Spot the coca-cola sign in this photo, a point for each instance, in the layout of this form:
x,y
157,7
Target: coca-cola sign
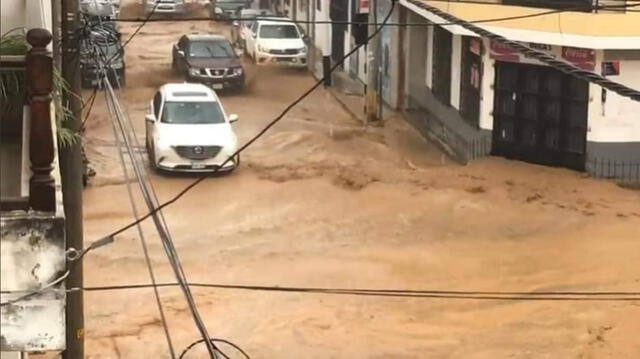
x,y
582,58
502,52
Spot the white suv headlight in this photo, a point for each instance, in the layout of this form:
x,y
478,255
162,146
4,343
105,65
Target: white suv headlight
x,y
194,72
218,10
302,50
262,48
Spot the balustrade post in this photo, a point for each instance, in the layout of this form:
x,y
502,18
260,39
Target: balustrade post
x,y
39,65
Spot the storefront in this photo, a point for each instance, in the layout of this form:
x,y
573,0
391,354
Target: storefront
x,y
540,114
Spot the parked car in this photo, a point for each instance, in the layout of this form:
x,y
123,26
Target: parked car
x,y
187,130
224,9
162,7
108,47
109,9
208,59
240,27
276,43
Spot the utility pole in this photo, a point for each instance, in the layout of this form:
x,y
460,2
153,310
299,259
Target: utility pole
x,y
372,107
55,15
71,170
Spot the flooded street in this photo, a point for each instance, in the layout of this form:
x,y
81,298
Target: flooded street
x,y
321,201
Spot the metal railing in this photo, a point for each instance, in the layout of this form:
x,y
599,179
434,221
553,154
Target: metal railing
x,y
622,171
40,140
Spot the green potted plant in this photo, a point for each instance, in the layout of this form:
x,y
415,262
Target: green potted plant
x,y
13,91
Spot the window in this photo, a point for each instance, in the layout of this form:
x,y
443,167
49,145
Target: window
x,y
192,113
157,101
211,49
279,32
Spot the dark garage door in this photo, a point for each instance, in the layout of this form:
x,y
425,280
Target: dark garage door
x,y
540,115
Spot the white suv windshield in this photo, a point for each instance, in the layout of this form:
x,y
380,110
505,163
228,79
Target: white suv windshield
x,y
192,113
279,32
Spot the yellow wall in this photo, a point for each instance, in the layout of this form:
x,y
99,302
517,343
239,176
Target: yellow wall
x,y
579,23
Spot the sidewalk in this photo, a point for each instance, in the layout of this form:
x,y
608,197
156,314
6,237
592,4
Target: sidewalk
x,y
353,104
349,93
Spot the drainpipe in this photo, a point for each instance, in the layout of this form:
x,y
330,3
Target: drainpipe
x,y
326,48
372,105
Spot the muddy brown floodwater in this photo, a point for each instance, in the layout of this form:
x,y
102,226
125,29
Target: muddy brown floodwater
x,y
321,201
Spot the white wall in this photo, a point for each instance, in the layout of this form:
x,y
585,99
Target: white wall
x,y
302,13
429,59
618,119
456,67
12,15
362,70
25,14
322,39
487,83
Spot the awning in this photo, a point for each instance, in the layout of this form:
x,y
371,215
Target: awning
x,y
542,37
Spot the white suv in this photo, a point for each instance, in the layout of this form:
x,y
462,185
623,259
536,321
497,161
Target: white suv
x,y
176,7
276,43
187,130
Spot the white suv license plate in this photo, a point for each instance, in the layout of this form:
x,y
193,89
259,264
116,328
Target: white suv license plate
x,y
198,166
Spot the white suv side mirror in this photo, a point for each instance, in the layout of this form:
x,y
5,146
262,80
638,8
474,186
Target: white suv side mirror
x,y
150,117
233,118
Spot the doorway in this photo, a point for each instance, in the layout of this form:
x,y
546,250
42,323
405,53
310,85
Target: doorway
x,y
339,13
540,115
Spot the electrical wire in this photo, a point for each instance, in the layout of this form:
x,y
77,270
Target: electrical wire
x,y
143,241
146,20
167,242
158,208
37,291
616,87
404,293
151,200
248,143
154,210
214,340
90,103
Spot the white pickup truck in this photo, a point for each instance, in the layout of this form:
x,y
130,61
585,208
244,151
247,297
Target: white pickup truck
x,y
275,42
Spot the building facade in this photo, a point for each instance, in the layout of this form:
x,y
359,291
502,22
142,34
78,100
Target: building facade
x,y
32,222
478,97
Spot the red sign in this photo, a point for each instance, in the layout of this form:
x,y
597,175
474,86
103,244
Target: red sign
x,y
582,58
502,52
363,6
